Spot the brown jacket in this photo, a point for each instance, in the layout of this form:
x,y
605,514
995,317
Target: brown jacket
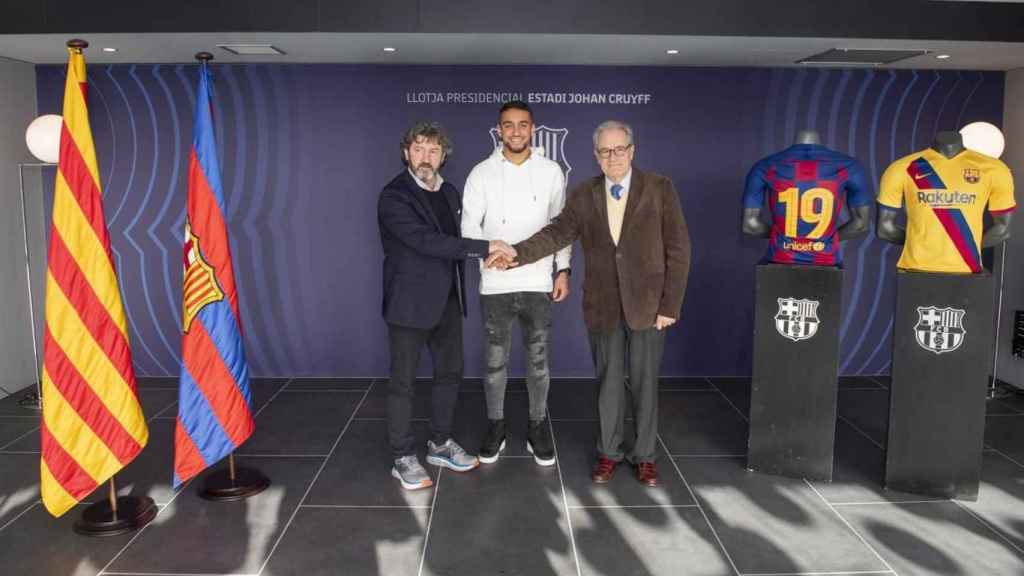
x,y
642,277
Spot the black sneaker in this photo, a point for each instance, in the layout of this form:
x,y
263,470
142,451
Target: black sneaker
x,y
494,443
539,442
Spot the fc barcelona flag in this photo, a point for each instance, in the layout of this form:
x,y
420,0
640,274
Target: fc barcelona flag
x,y
92,421
214,415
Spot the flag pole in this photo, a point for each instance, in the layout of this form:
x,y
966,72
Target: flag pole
x,y
237,483
32,400
113,497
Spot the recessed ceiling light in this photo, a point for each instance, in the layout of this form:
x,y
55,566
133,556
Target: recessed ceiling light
x,y
859,57
252,49
942,56
390,49
110,49
671,51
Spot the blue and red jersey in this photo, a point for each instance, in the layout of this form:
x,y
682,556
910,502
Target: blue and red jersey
x,y
806,186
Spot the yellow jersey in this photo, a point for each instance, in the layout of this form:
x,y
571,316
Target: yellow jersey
x,y
945,199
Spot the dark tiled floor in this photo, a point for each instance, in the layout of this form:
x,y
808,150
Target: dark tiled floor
x,y
301,422
867,412
505,519
701,423
333,509
773,524
656,541
232,537
14,432
351,541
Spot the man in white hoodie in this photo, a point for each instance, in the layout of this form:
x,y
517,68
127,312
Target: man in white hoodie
x,y
510,196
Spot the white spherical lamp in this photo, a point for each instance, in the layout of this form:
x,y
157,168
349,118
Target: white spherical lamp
x,y
43,137
985,138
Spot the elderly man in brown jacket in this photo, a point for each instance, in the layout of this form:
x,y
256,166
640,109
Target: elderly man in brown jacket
x,y
637,252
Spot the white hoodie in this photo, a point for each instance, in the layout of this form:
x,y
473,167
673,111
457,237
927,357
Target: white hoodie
x,y
503,201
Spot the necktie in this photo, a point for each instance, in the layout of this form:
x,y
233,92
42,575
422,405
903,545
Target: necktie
x,y
617,191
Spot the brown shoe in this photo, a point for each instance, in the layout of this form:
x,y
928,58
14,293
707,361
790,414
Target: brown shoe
x,y
604,470
647,473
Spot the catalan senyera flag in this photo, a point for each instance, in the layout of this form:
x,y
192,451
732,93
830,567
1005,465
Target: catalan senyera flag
x,y
92,421
214,414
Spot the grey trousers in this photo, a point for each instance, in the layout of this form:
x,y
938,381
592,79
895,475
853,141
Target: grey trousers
x,y
638,354
533,310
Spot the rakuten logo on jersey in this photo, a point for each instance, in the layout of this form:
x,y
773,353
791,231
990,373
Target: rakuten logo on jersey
x,y
945,198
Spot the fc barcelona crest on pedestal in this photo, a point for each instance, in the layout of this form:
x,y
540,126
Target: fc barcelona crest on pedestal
x,y
793,389
940,330
797,319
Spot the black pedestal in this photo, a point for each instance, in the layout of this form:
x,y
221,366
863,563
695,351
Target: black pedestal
x,y
99,519
941,351
220,487
796,361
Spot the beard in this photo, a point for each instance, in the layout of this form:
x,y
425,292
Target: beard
x,y
511,148
425,171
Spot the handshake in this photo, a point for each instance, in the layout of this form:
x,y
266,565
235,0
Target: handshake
x,y
501,255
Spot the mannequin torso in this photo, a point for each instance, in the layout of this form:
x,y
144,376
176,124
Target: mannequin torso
x,y
754,225
949,144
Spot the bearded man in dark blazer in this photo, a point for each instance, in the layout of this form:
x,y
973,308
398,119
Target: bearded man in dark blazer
x,y
425,299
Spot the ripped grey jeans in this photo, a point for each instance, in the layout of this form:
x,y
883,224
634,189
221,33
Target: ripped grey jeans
x,y
533,309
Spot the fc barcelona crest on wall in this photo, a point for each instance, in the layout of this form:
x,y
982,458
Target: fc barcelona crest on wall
x,y
549,142
797,319
940,330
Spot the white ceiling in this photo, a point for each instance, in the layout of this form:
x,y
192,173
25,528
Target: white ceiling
x,y
502,49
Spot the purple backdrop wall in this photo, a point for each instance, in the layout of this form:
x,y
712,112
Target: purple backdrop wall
x,y
306,149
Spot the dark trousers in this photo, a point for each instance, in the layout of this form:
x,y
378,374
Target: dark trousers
x,y
444,342
638,353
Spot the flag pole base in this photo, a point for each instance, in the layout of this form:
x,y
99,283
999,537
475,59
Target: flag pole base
x,y
133,512
219,487
31,401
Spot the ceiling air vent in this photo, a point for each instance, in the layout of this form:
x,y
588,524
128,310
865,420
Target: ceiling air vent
x,y
854,57
251,49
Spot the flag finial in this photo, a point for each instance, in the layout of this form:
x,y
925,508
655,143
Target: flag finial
x,y
204,57
77,44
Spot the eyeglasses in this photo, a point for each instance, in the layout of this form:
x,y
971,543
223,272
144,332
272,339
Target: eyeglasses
x,y
619,151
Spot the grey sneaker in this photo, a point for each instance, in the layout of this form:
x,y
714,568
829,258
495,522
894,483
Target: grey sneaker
x,y
411,473
450,455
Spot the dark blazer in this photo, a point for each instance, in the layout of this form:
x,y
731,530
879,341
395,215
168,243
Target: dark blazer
x,y
642,277
418,256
